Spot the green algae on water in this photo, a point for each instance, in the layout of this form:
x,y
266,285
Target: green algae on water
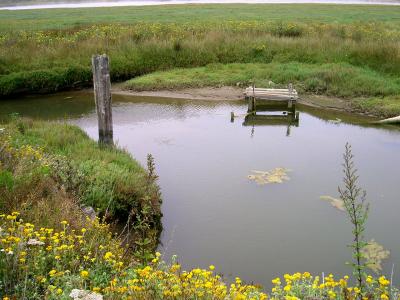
x,y
374,255
336,203
277,175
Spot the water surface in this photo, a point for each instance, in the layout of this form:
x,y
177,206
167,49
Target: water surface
x,y
214,215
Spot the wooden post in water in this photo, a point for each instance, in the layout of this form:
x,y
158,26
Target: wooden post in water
x,y
290,102
254,97
102,97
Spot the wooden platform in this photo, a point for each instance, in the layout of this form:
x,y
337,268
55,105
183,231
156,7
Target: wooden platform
x,y
261,96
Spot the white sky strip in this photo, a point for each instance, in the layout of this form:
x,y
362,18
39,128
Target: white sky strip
x,y
169,2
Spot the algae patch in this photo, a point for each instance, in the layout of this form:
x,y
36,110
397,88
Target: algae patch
x,y
374,255
336,203
277,175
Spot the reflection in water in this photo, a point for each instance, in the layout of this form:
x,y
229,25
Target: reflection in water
x,y
271,115
287,119
49,107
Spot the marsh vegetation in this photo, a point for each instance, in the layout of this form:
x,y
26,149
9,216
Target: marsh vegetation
x,y
353,52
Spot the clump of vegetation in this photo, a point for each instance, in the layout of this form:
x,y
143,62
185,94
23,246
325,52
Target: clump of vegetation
x,y
39,262
277,175
374,255
305,286
54,171
108,179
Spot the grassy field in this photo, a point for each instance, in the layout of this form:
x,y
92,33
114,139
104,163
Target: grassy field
x,y
328,14
50,50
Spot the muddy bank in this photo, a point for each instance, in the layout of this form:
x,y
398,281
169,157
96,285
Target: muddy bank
x,y
227,93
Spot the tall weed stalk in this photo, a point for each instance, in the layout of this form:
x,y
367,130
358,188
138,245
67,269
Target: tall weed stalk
x,y
354,199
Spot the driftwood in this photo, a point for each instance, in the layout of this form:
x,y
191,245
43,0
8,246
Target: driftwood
x,y
395,120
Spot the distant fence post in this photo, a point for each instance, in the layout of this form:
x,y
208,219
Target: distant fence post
x,y
102,96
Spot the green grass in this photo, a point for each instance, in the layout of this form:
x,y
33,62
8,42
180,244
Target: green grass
x,y
108,179
382,106
66,18
341,80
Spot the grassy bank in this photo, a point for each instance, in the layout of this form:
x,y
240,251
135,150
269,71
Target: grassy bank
x,y
50,50
48,170
362,87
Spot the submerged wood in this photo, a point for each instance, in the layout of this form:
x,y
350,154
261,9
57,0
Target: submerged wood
x,y
277,175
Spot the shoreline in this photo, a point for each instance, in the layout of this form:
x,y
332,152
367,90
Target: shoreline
x,y
227,93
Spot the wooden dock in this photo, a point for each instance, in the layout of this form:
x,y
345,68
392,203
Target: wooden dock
x,y
259,97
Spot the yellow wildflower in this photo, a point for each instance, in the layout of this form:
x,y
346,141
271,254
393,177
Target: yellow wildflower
x,y
84,274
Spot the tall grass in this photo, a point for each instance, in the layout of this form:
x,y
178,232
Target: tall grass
x,y
44,61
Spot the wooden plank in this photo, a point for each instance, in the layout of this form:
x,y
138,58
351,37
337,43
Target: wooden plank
x,y
275,97
102,96
265,89
273,94
270,94
270,91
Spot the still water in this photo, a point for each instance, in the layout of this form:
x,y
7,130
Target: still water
x,y
213,214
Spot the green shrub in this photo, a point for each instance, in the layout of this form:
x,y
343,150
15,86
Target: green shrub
x,y
50,80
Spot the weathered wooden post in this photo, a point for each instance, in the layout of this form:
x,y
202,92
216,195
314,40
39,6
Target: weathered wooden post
x,y
102,97
290,90
254,97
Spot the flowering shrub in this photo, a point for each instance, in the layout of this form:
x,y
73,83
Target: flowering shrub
x,y
39,263
305,286
43,262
